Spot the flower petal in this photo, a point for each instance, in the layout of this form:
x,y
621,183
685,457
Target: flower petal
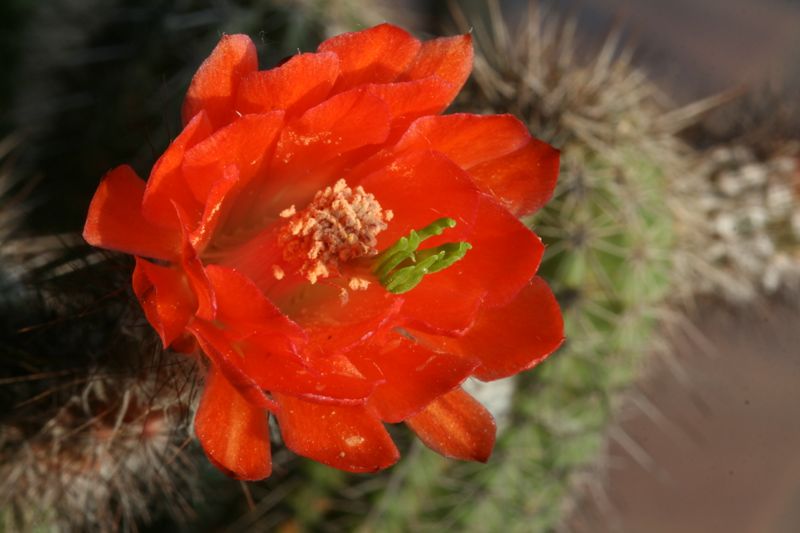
x,y
350,438
166,185
244,143
328,380
335,326
410,100
523,180
115,219
300,83
234,434
449,58
415,375
342,123
214,85
375,55
315,149
504,257
219,350
456,425
240,304
166,298
420,188
220,199
466,139
254,339
531,328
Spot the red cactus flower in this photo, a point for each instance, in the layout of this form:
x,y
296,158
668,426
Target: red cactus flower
x,y
342,254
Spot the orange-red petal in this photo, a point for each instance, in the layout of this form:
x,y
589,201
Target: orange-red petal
x,y
314,150
220,198
449,58
166,186
252,339
350,438
504,257
244,143
166,298
414,375
517,336
496,150
300,83
266,363
241,303
335,326
234,434
456,425
466,139
213,88
409,100
522,180
375,55
421,187
115,219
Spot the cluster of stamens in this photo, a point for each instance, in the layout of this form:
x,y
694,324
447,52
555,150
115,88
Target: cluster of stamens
x,y
340,224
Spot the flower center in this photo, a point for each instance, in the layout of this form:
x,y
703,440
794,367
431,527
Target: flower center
x,y
340,224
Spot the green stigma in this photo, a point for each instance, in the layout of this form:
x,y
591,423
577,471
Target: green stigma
x,y
401,267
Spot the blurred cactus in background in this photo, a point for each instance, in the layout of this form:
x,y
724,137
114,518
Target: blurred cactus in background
x,y
95,432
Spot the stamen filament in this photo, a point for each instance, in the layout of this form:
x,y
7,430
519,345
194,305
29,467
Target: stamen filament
x,y
404,251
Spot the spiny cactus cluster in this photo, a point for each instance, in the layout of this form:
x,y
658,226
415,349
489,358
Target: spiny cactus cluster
x,y
109,453
740,223
93,413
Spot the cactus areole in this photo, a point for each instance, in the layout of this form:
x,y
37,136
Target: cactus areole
x,y
342,254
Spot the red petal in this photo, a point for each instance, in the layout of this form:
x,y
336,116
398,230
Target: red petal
x,y
244,143
115,219
504,257
302,82
345,437
466,139
166,298
221,197
335,326
219,350
419,188
196,276
415,375
523,180
410,100
233,433
314,150
344,122
442,304
516,337
166,185
256,340
214,85
456,425
240,304
261,363
375,55
449,58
